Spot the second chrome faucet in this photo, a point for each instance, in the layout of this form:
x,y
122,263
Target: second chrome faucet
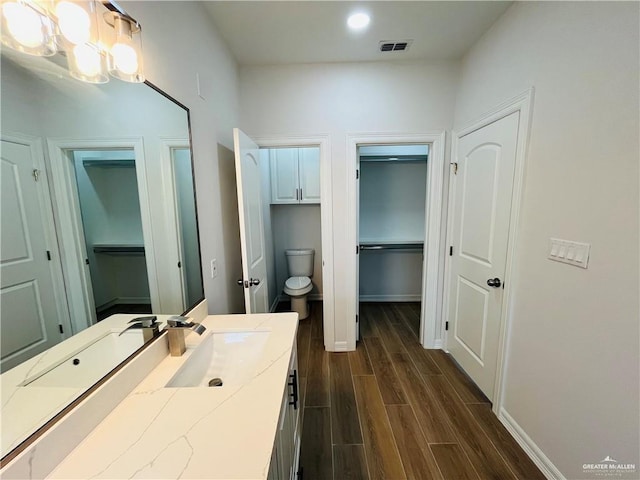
x,y
176,326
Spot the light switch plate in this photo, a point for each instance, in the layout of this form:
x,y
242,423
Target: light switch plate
x,y
214,268
570,252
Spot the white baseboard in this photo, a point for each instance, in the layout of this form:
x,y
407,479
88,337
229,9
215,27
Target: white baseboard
x,y
119,300
437,344
340,347
545,465
390,298
134,300
313,297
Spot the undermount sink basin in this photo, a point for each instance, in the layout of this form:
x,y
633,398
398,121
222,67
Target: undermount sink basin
x,y
232,357
90,363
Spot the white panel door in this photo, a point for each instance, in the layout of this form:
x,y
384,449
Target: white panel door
x,y
254,265
309,173
30,319
482,208
284,175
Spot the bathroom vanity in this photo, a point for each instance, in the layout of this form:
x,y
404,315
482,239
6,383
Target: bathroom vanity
x,y
172,424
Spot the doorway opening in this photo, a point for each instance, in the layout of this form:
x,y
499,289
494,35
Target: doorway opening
x,y
293,176
391,212
291,200
430,204
107,195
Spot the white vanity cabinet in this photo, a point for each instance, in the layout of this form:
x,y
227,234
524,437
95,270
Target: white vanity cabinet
x,y
295,175
286,449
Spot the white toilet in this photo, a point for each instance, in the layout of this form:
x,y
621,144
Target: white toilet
x,y
298,285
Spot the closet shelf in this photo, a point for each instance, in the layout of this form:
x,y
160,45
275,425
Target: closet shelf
x,y
119,249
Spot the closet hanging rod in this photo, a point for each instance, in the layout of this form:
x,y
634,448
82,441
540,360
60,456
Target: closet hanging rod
x,y
392,246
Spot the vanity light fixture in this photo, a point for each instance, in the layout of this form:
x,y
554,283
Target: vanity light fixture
x,y
358,21
125,54
95,40
27,29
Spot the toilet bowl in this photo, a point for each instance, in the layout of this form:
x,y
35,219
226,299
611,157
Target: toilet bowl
x,y
298,285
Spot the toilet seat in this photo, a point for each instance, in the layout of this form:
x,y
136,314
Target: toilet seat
x,y
296,286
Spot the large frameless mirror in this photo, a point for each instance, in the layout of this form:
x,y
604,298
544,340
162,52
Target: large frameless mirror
x,y
98,219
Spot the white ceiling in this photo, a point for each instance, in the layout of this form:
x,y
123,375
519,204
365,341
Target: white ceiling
x,y
266,32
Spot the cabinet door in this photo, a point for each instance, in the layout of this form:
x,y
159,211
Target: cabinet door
x,y
309,168
284,175
274,466
295,412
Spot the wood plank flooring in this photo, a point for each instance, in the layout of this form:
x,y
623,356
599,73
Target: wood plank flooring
x,y
392,410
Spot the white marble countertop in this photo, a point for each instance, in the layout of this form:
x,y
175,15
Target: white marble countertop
x,y
212,433
25,408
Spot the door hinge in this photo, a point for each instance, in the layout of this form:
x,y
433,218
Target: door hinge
x,y
60,328
455,167
48,255
357,173
357,249
451,251
357,318
36,174
446,325
86,261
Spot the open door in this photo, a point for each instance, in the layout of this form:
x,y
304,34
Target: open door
x,y
254,267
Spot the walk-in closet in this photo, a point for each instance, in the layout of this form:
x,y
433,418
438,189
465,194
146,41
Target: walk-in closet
x,y
391,223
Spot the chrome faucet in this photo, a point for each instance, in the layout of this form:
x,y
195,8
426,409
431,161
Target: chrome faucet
x,y
149,327
176,326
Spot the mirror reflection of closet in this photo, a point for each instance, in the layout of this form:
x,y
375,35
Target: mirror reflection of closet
x,y
111,222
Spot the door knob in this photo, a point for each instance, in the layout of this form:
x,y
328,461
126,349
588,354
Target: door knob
x,y
494,282
254,281
240,282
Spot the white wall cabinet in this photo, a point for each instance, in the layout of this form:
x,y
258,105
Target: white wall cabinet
x,y
286,448
295,175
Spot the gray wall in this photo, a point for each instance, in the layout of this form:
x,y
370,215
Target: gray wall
x,y
572,365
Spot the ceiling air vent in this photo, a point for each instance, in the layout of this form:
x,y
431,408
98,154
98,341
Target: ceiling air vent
x,y
395,46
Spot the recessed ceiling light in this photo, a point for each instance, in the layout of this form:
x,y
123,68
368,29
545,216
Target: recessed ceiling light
x,y
358,21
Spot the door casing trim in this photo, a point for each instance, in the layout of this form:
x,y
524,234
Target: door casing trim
x,y
66,207
522,103
430,322
326,220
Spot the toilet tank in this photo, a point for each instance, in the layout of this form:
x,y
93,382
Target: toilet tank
x,y
300,262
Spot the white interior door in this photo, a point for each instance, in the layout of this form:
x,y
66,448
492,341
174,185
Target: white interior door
x,y
30,318
482,207
254,266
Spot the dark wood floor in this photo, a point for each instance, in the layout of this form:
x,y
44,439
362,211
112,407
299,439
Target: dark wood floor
x,y
392,410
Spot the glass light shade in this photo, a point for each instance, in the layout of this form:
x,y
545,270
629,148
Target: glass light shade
x,y
26,29
125,54
76,21
87,63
